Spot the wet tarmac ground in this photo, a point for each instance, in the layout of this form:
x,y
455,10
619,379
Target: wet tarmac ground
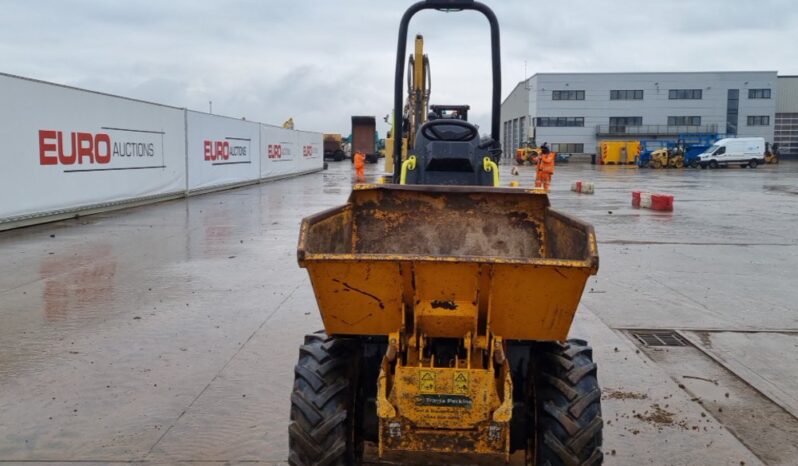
x,y
168,333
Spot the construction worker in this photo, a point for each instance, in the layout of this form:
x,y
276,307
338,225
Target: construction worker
x,y
360,167
545,168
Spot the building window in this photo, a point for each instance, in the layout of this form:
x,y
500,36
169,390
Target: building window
x,y
758,93
626,94
560,121
568,148
682,94
506,136
684,121
732,111
619,124
567,95
626,121
522,129
758,120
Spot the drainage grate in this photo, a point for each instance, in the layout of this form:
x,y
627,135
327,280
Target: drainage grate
x,y
659,338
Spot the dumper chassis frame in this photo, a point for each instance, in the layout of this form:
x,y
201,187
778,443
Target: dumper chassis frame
x,y
563,401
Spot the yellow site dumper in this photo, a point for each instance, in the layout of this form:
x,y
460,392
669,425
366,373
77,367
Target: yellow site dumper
x,y
447,303
450,310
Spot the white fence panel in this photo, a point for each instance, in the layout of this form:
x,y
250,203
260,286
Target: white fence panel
x,y
221,151
70,150
67,149
280,153
312,146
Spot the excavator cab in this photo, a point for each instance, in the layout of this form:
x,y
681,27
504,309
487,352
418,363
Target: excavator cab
x,y
459,112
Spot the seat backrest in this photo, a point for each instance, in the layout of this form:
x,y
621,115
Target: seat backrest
x,y
448,152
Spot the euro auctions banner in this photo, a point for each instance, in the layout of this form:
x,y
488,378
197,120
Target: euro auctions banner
x,y
286,152
221,151
278,152
66,148
312,150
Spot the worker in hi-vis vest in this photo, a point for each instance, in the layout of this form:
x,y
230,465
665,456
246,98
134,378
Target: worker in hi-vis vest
x,y
360,167
545,168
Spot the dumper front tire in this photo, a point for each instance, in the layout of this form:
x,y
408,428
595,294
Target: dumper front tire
x,y
322,430
567,400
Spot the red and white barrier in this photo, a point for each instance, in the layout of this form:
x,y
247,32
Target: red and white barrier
x,y
583,187
654,201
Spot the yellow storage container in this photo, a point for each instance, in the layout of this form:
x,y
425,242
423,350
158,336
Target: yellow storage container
x,y
618,152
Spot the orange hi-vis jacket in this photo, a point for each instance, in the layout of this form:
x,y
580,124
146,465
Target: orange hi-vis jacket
x,y
546,163
360,161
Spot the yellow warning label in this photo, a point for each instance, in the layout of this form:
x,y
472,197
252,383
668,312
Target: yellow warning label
x,y
460,383
426,381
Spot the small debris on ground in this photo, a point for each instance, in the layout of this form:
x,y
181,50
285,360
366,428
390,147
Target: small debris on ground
x,y
659,417
623,395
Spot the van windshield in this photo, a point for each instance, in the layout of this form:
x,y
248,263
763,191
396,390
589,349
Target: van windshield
x,y
712,149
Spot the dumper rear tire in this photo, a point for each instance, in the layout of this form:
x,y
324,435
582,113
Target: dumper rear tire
x,y
567,400
322,430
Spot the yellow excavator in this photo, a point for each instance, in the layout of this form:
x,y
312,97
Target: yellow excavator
x,y
416,107
447,302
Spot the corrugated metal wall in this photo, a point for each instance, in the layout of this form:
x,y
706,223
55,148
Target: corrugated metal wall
x,y
786,126
787,94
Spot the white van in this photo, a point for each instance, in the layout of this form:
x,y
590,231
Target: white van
x,y
745,151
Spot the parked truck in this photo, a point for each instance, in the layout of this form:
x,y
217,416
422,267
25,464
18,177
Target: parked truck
x,y
333,147
363,129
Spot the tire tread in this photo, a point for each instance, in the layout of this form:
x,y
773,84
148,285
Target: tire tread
x,y
569,406
320,426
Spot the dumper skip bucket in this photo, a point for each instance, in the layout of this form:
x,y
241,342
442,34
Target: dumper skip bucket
x,y
503,251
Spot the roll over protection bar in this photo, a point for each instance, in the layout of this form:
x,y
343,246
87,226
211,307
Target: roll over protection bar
x,y
401,50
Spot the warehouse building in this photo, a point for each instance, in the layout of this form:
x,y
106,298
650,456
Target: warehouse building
x,y
786,127
574,111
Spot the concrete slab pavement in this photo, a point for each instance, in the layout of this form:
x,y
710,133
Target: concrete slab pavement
x,y
168,333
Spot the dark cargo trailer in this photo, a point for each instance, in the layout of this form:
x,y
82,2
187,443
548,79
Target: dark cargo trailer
x,y
363,140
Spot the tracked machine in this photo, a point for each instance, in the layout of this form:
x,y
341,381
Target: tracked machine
x,y
415,110
446,302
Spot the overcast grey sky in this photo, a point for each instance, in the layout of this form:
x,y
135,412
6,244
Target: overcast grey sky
x,y
323,61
